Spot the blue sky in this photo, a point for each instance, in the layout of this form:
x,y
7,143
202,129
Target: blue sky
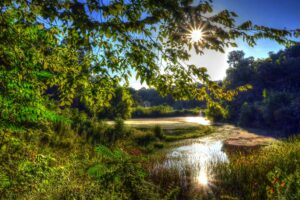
x,y
272,13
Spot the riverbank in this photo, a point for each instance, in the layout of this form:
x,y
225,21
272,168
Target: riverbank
x,y
67,162
216,166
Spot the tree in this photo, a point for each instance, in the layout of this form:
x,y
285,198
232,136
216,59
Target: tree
x,y
85,48
121,104
235,57
273,102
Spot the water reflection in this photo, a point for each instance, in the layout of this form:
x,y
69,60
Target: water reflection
x,y
199,120
202,178
195,160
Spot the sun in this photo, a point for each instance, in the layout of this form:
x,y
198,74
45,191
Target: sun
x,y
196,35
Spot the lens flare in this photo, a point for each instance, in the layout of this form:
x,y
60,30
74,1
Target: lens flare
x,y
202,178
196,35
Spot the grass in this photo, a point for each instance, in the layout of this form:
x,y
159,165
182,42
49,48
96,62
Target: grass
x,y
272,172
54,164
31,169
149,139
187,133
145,137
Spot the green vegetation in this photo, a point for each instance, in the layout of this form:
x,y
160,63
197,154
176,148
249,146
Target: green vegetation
x,y
65,64
68,160
268,173
152,97
162,111
273,102
187,133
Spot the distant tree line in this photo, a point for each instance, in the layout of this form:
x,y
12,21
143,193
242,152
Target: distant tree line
x,y
274,100
146,102
150,97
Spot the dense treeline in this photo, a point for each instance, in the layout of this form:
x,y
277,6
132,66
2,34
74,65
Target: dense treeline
x,y
150,97
127,103
274,100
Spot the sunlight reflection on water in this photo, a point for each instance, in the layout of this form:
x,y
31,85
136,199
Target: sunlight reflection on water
x,y
198,120
196,158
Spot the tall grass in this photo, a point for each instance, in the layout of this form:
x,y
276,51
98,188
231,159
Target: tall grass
x,y
271,172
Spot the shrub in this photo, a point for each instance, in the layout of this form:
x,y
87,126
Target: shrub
x,y
144,138
158,145
122,175
119,128
215,112
158,132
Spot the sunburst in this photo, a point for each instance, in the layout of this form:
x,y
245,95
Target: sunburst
x,y
196,33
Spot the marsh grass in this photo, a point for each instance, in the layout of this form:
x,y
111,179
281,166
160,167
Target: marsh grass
x,y
187,133
272,172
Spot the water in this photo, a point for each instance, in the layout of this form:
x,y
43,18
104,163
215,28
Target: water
x,y
195,160
199,120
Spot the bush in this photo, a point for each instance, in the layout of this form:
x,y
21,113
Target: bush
x,y
155,111
215,112
144,138
158,132
123,175
158,145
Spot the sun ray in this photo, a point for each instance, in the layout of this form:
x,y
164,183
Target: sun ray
x,y
196,34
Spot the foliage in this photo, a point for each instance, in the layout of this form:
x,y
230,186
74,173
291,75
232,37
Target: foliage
x,y
273,102
94,131
162,111
123,175
270,173
158,132
283,185
249,115
97,131
155,111
23,71
59,55
72,50
216,112
183,134
119,131
144,138
120,105
151,97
